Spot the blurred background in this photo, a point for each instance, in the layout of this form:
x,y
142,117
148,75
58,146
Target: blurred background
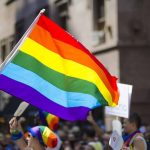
x,y
117,32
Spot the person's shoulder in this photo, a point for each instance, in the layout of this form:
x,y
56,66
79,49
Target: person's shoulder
x,y
139,141
139,137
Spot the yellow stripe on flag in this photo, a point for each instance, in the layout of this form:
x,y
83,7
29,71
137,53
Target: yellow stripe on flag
x,y
64,66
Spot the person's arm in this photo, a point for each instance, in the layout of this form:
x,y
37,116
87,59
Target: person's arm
x,y
138,144
20,122
97,129
17,135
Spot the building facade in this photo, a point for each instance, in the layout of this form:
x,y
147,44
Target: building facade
x,y
115,31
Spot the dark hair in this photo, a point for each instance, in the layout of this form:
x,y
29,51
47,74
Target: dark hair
x,y
135,118
90,132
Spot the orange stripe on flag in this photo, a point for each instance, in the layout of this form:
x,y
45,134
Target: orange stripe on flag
x,y
43,37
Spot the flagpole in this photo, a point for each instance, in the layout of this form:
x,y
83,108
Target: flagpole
x,y
15,49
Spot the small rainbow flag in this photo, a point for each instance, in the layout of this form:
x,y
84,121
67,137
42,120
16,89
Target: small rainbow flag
x,y
49,120
53,71
44,135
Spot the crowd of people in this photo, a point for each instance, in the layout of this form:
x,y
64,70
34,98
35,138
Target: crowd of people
x,y
88,135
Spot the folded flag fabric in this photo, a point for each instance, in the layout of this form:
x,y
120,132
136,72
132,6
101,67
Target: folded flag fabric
x,y
44,135
53,71
49,120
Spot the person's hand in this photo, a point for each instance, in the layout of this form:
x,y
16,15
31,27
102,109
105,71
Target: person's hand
x,y
16,134
90,117
13,123
96,127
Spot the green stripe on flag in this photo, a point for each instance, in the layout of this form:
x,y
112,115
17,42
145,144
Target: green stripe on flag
x,y
59,80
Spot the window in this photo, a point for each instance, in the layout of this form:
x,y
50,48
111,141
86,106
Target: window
x,y
11,45
99,21
6,45
62,7
3,52
19,29
98,13
9,2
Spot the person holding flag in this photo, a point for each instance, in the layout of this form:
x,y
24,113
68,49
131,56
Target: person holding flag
x,y
38,137
51,70
17,136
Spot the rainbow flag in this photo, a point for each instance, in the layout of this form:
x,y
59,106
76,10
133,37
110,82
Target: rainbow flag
x,y
44,135
49,120
53,71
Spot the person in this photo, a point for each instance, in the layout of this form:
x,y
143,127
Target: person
x,y
37,138
17,136
133,138
97,129
97,145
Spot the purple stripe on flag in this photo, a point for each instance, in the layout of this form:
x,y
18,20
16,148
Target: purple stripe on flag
x,y
33,97
35,131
